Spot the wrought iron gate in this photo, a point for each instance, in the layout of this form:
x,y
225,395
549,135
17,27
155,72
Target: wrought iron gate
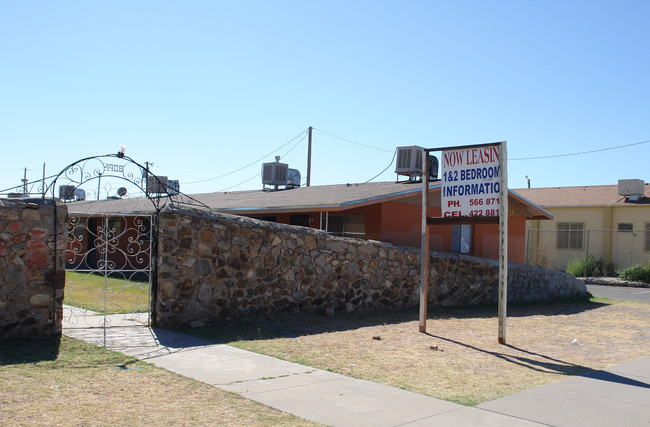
x,y
110,256
109,262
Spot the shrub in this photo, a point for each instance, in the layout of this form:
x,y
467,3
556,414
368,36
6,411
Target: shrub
x,y
636,273
577,266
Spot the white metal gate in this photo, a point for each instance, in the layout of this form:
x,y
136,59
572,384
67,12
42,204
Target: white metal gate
x,y
108,271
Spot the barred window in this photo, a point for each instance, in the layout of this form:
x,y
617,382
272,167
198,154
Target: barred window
x,y
625,227
345,225
570,235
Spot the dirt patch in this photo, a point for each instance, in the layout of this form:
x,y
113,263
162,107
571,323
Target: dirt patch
x,y
459,358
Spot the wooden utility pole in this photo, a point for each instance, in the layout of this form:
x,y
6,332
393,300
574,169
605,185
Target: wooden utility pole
x,y
503,242
309,157
424,246
24,180
43,180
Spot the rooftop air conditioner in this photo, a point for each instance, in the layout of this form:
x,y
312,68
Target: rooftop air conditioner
x,y
293,178
173,187
156,184
630,187
409,160
66,192
275,173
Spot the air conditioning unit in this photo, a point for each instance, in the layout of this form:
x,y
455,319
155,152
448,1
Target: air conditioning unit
x,y
275,173
630,187
409,160
79,194
293,179
173,187
156,184
66,192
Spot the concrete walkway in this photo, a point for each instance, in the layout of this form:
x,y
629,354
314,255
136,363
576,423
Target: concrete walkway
x,y
618,396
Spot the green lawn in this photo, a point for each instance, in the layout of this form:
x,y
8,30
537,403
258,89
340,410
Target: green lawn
x,y
88,291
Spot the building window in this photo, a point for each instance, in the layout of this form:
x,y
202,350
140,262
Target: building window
x,y
269,218
143,227
570,235
345,225
625,228
647,236
301,220
114,228
461,238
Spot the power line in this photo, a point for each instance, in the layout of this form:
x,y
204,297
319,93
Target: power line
x,y
250,164
297,143
581,152
391,163
239,183
352,142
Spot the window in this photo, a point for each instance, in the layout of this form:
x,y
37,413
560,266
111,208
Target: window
x,y
570,235
625,228
114,228
647,236
269,218
461,238
345,225
143,227
301,220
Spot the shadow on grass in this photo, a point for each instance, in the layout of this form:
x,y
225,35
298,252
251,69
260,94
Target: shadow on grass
x,y
546,364
294,325
29,350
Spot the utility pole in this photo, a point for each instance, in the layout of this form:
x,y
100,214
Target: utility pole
x,y
146,182
309,157
99,184
24,180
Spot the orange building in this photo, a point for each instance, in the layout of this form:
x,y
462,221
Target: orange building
x,y
384,211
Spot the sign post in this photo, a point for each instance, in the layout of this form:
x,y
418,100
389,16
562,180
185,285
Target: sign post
x,y
503,243
474,189
424,246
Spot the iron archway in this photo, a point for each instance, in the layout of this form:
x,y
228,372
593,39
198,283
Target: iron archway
x,y
114,248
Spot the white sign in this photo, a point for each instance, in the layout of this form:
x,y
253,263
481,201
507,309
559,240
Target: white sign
x,y
470,182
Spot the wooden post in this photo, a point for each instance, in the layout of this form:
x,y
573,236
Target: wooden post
x,y
309,158
424,246
503,242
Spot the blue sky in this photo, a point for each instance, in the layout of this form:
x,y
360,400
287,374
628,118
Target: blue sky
x,y
204,88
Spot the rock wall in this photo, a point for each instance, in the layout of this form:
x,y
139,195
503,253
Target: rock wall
x,y
214,266
29,303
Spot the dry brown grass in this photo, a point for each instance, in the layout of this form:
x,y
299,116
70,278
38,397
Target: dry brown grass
x,y
469,366
44,382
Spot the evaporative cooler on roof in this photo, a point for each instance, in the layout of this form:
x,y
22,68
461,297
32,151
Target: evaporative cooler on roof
x,y
409,162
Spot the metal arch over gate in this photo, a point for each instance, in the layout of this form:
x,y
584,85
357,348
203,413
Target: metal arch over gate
x,y
111,258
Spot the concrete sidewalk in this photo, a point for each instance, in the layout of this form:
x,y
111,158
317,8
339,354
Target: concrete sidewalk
x,y
618,396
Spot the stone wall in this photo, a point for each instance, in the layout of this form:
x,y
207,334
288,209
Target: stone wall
x,y
28,297
214,266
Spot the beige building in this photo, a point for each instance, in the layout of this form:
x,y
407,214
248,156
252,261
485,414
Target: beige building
x,y
610,222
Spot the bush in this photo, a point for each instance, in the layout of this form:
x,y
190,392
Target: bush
x,y
577,266
595,268
636,273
